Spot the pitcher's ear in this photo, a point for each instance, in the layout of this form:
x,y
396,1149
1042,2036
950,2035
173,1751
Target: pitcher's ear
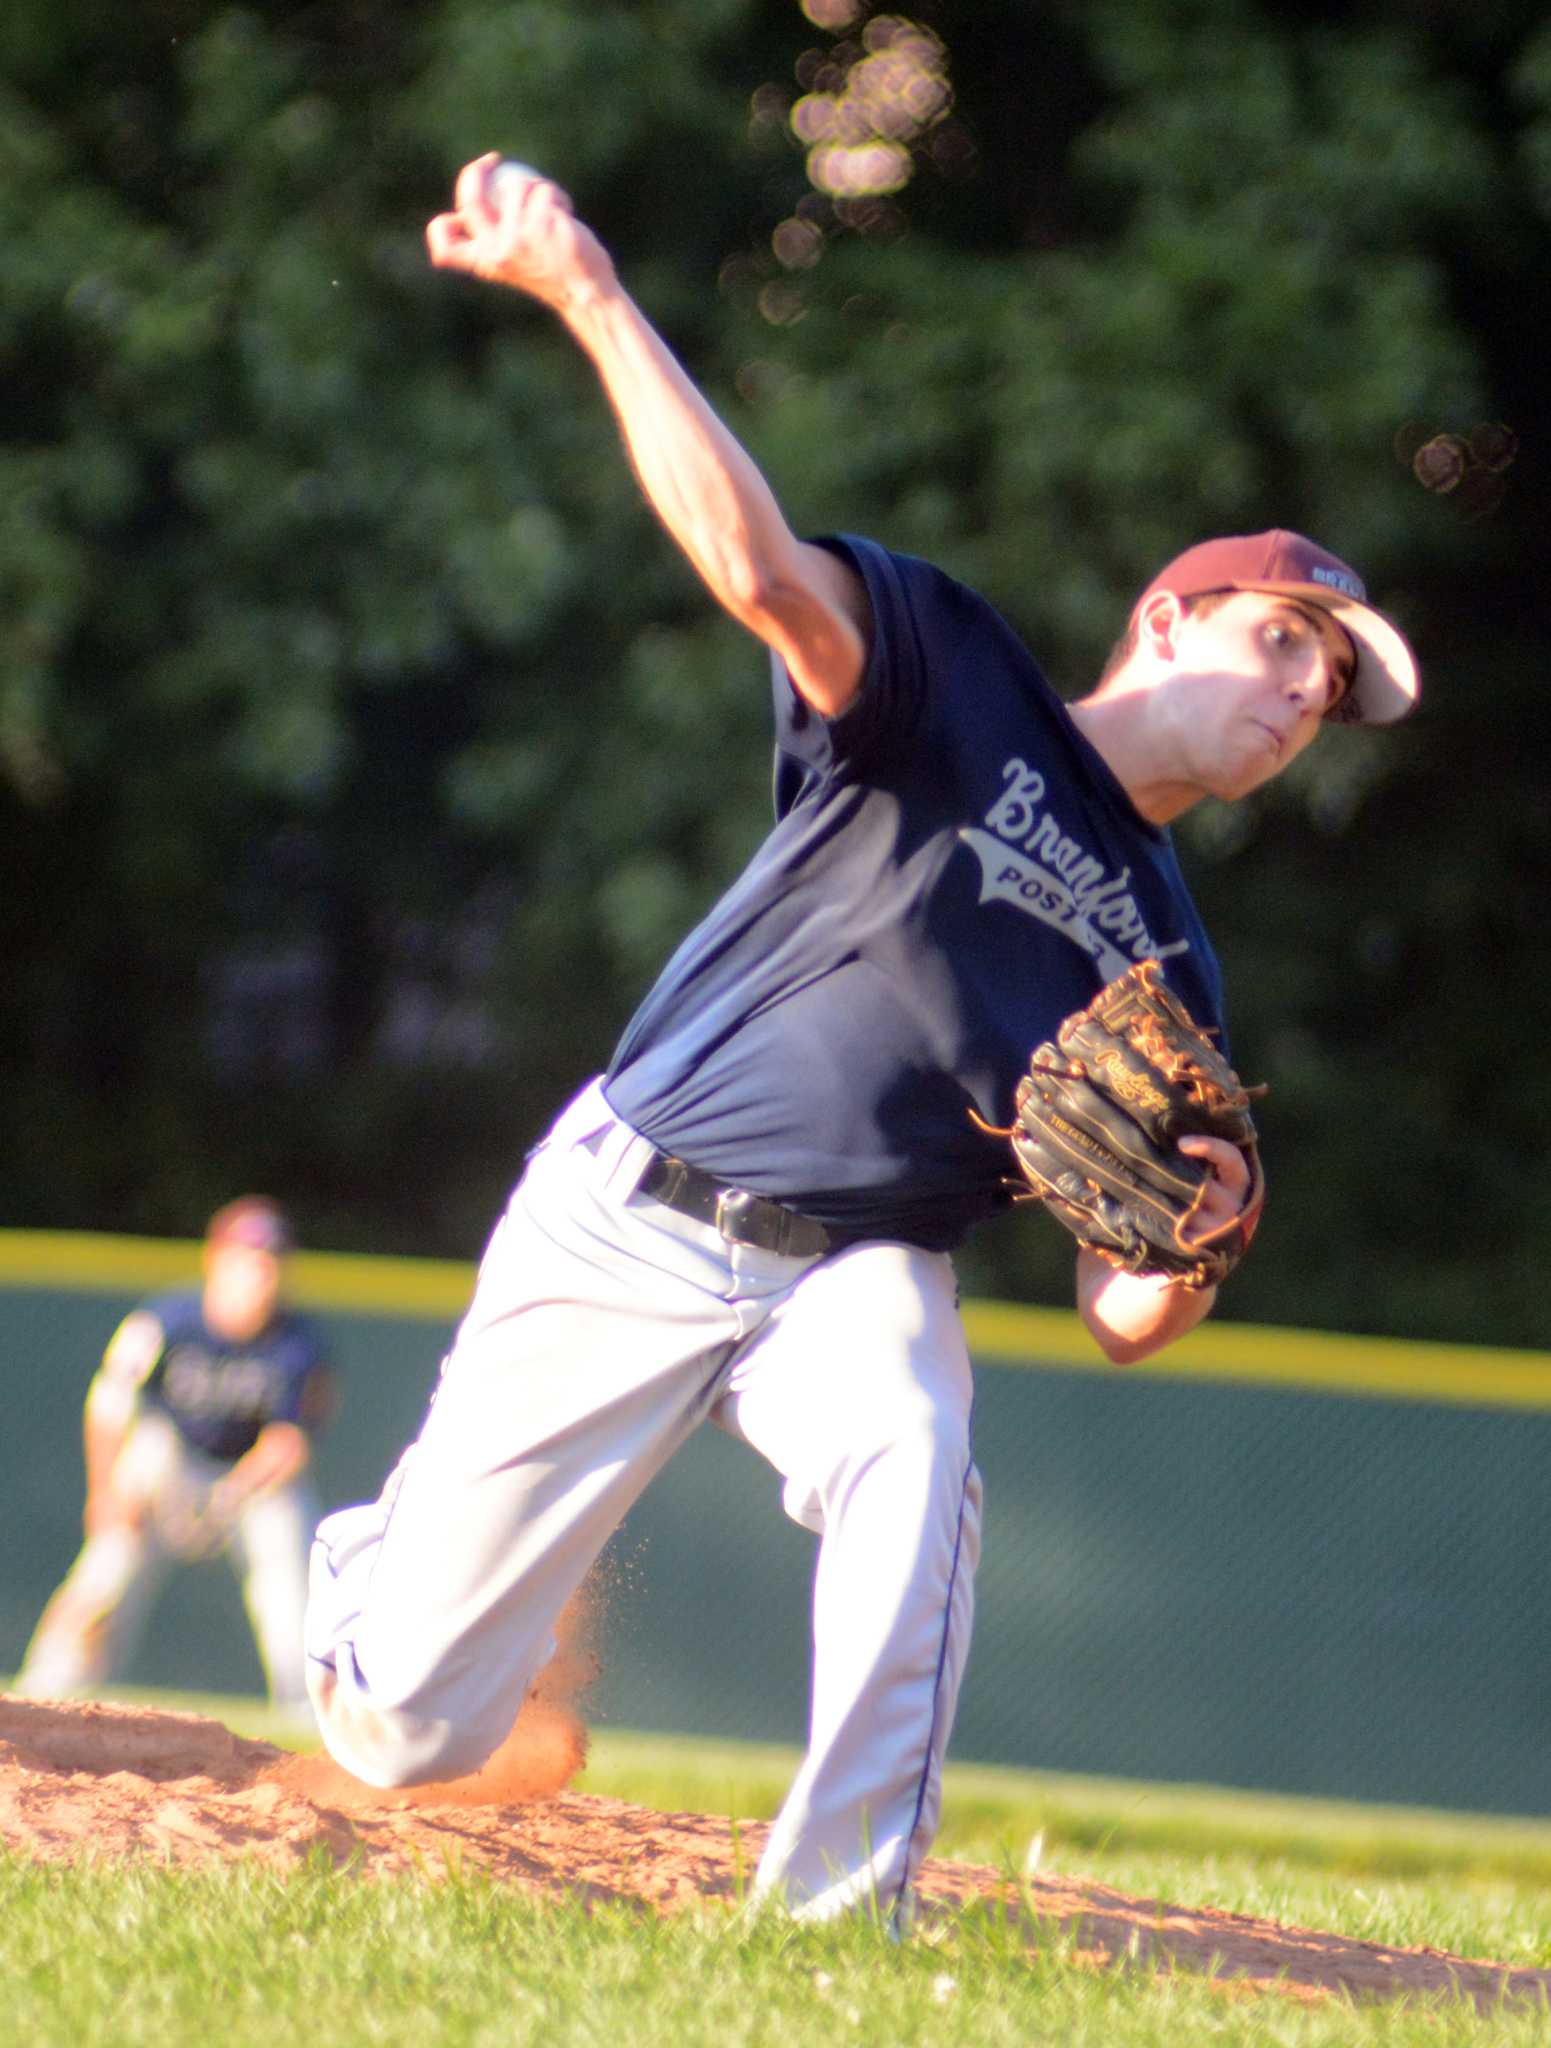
x,y
1158,620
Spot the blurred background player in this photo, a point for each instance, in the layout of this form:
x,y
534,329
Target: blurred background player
x,y
198,1438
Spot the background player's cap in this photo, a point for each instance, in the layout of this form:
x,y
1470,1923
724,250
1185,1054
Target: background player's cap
x,y
1386,684
254,1221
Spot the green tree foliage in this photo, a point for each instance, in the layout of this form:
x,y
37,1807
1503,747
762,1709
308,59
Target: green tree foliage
x,y
364,748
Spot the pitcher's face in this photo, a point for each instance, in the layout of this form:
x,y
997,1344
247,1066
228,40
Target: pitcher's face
x,y
1253,678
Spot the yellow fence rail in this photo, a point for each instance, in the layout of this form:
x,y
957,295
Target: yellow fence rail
x,y
1000,1333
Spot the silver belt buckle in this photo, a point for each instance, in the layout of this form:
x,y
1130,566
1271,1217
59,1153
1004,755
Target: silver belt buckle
x,y
732,1207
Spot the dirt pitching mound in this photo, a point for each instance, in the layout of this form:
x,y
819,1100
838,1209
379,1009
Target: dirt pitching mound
x,y
113,1782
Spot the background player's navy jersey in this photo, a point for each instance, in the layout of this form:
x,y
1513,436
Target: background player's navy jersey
x,y
953,870
219,1394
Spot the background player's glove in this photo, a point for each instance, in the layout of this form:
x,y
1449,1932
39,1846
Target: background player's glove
x,y
1096,1127
194,1525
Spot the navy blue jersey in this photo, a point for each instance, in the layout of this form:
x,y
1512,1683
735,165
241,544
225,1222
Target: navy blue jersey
x,y
953,870
217,1393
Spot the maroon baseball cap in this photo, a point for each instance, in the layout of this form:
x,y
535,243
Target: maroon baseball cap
x,y
1386,684
254,1221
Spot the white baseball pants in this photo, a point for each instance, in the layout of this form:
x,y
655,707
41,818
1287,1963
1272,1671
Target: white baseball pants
x,y
604,1328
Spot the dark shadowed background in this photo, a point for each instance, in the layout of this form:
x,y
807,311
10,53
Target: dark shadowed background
x,y
364,748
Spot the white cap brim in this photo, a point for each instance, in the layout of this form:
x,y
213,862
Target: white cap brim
x,y
1387,684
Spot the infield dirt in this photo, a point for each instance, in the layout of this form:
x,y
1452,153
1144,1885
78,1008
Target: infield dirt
x,y
104,1781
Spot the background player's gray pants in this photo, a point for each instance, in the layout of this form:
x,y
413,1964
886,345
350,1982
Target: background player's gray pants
x,y
603,1330
90,1627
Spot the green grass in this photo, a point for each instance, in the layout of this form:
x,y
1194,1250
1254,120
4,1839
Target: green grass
x,y
992,1815
239,1957
160,1959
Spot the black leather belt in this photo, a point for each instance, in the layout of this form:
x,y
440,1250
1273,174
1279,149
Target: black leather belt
x,y
741,1217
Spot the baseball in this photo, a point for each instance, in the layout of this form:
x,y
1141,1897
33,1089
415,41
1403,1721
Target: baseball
x,y
508,180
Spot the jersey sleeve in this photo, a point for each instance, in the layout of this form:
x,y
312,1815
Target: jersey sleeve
x,y
316,1399
888,708
133,1352
307,1396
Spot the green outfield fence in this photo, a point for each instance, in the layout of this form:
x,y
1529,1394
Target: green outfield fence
x,y
1276,1559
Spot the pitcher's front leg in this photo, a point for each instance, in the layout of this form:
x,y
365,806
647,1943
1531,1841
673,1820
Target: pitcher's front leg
x,y
578,1371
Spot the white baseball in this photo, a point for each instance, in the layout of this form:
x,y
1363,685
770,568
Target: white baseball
x,y
508,181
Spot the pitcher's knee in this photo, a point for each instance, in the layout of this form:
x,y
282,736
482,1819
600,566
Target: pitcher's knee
x,y
915,1470
391,1747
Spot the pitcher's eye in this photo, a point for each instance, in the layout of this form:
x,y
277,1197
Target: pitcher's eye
x,y
1288,629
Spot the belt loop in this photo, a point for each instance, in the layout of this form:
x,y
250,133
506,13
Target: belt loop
x,y
623,1157
584,1115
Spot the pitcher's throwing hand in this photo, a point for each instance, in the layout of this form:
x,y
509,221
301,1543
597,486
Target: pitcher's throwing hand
x,y
513,226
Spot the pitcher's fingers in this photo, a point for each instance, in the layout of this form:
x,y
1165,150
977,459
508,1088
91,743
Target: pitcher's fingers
x,y
447,238
471,193
1227,1162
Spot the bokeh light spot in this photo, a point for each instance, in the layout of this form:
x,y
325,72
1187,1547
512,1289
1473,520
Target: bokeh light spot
x,y
866,105
834,15
1468,468
798,244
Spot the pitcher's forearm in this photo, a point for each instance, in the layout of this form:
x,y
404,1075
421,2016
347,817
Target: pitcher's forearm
x,y
278,1454
518,229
